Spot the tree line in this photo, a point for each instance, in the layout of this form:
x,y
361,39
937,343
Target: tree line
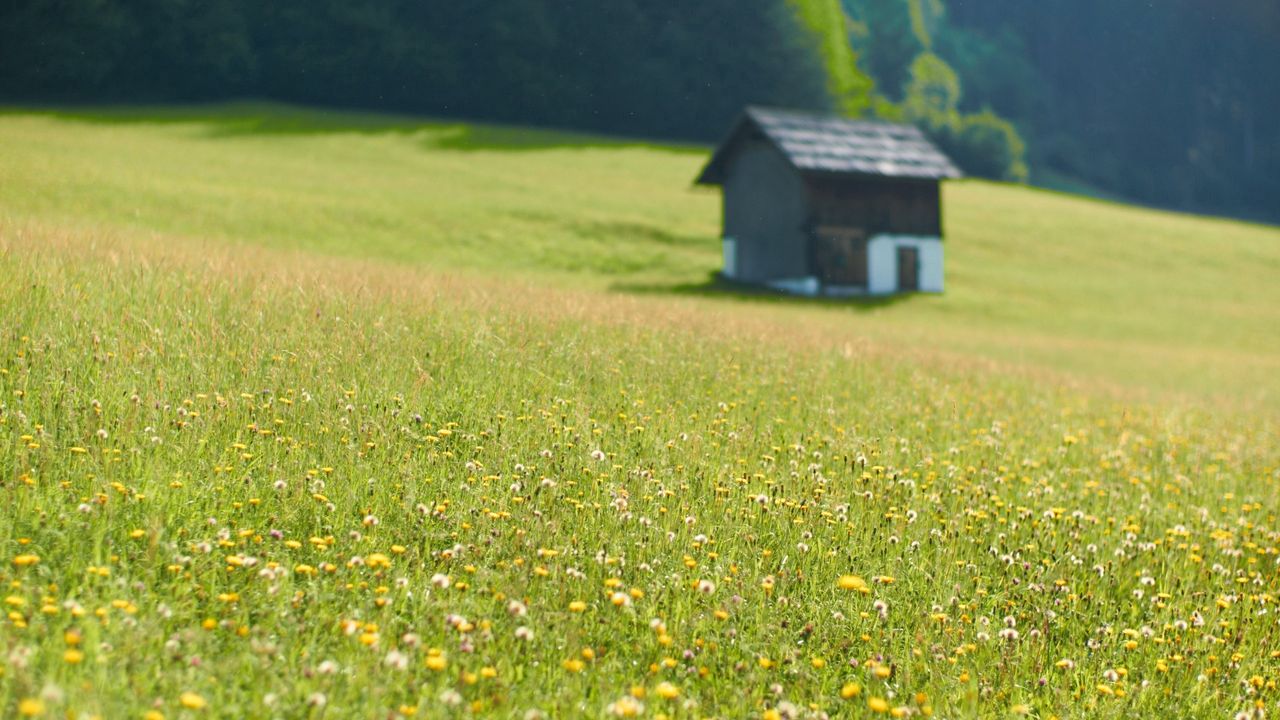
x,y
645,67
1168,103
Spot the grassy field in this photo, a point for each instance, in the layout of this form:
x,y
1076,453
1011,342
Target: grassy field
x,y
321,415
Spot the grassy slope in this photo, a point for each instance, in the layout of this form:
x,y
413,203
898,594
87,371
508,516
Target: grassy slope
x,y
1103,292
183,388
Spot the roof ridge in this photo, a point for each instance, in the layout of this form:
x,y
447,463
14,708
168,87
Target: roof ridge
x,y
813,142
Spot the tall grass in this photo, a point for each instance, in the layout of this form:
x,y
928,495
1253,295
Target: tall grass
x,y
1145,300
254,476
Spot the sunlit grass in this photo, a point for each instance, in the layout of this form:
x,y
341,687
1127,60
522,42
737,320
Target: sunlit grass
x,y
1141,299
250,474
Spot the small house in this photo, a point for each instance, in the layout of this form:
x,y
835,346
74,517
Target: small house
x,y
823,205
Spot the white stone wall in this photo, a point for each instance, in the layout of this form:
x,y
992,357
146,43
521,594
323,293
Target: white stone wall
x,y
882,262
730,258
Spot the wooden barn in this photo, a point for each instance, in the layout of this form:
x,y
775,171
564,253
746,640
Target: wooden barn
x,y
828,206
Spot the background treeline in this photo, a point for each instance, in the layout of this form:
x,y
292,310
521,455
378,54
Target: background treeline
x,y
647,67
1170,103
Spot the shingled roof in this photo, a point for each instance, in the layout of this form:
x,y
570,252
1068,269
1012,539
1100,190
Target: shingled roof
x,y
829,144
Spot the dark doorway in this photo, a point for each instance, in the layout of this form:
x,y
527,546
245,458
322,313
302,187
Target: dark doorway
x,y
908,269
841,256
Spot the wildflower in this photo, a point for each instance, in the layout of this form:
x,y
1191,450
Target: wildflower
x,y
706,587
625,706
26,560
853,582
850,690
573,665
31,707
397,660
524,633
667,691
577,606
192,701
878,705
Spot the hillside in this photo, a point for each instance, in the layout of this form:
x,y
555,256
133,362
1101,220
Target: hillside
x,y
318,415
1040,281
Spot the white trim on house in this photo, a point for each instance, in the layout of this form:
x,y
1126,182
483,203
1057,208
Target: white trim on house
x,y
730,246
882,268
882,262
808,286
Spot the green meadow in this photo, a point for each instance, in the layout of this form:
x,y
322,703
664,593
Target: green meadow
x,y
318,414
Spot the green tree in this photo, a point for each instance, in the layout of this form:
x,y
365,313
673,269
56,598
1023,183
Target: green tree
x,y
850,89
881,32
933,91
982,144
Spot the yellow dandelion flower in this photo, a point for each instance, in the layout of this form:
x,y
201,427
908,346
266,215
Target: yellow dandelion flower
x,y
853,582
667,691
573,665
878,705
26,560
436,662
192,701
577,606
850,690
31,707
626,706
72,656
